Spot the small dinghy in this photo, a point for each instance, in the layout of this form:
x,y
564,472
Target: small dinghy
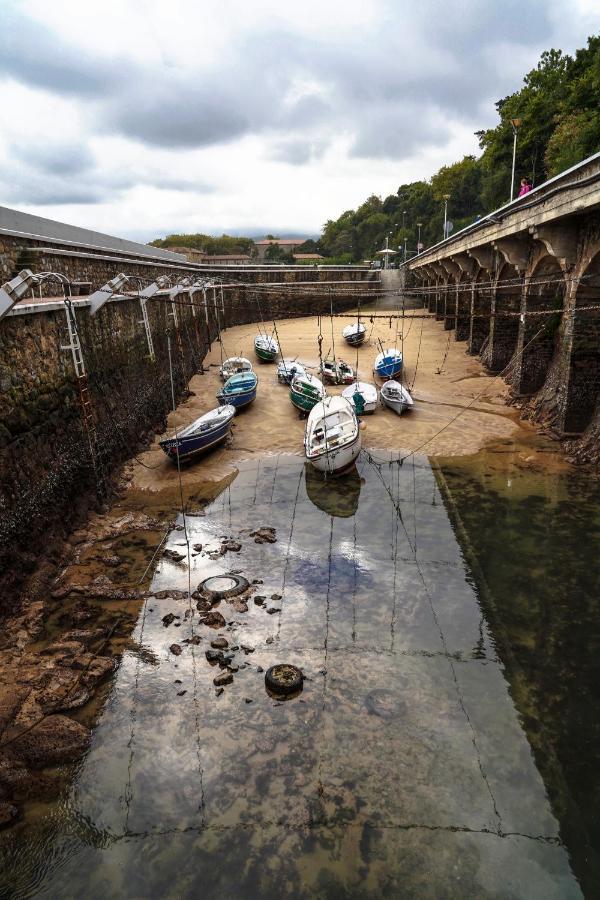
x,y
239,390
395,395
354,334
332,435
288,369
266,348
305,391
337,371
210,429
363,395
233,366
388,363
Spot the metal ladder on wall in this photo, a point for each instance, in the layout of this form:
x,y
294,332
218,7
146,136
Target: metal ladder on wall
x,y
87,410
145,321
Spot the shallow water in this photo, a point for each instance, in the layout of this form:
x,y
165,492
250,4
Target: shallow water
x,y
445,741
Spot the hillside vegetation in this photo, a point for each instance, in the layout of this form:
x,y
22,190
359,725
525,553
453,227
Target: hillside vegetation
x,y
559,107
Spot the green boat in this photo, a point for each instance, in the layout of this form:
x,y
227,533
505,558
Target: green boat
x,y
266,348
306,391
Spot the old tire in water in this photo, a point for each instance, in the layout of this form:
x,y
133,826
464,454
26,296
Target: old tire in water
x,y
219,587
284,679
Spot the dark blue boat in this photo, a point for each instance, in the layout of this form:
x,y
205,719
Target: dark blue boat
x,y
207,431
388,363
239,390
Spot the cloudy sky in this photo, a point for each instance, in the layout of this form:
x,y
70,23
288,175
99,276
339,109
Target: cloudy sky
x,y
145,117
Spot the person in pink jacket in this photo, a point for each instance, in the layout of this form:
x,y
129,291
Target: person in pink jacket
x,y
525,187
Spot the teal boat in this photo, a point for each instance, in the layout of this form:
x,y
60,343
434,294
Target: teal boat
x,y
306,391
266,348
239,390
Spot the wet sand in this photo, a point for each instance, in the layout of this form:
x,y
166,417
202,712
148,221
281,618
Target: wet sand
x,y
459,407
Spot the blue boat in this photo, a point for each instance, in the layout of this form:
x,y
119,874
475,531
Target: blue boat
x,y
207,431
239,390
388,363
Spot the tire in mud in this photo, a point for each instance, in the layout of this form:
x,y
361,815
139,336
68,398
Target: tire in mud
x,y
219,587
284,679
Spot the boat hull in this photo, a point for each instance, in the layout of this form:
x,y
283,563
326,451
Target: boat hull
x,y
303,402
266,355
239,400
187,448
355,340
338,459
399,403
369,397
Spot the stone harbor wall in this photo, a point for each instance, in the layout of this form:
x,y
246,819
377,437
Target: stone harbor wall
x,y
47,481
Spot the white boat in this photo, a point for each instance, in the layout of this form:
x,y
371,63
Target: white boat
x,y
395,395
287,370
332,435
337,371
366,396
233,366
354,334
265,347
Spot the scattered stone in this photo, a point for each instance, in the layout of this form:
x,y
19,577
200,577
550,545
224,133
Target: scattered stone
x,y
273,609
61,592
247,649
259,599
170,595
276,597
259,669
233,667
175,555
219,691
175,649
219,643
222,679
213,619
181,693
269,640
214,655
166,620
239,604
248,700
257,581
197,548
232,546
111,560
178,681
265,534
194,640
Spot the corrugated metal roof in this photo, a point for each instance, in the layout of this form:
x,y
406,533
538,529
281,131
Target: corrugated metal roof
x,y
20,224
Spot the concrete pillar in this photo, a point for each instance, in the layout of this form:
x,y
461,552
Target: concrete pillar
x,y
481,298
450,294
544,292
435,300
504,327
467,266
582,340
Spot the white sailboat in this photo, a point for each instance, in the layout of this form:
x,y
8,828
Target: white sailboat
x,y
354,334
332,436
233,366
396,396
366,396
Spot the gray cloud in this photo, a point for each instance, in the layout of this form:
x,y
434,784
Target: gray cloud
x,y
391,90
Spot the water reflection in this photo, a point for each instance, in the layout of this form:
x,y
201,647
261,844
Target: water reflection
x,y
335,496
403,768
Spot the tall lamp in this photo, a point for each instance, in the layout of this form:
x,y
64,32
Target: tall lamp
x,y
516,124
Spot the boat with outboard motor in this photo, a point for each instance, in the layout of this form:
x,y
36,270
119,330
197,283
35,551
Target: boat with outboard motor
x,y
305,391
388,363
396,396
336,371
265,347
287,370
363,395
332,435
207,431
354,334
239,390
233,366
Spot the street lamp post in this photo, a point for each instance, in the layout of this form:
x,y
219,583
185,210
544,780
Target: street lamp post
x,y
446,198
405,243
516,124
419,224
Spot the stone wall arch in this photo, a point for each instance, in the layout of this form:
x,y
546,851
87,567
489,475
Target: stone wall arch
x,y
504,328
481,308
583,330
542,309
